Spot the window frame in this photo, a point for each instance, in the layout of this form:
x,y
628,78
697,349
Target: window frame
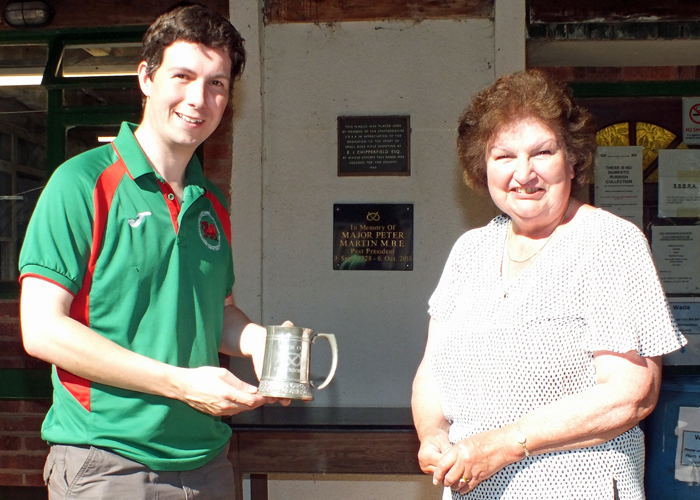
x,y
60,117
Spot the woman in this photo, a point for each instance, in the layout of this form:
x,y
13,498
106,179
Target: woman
x,y
548,325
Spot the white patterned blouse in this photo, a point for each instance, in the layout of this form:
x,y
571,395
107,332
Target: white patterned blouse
x,y
504,354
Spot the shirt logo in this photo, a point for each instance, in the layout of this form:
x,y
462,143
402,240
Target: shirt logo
x,y
139,219
209,231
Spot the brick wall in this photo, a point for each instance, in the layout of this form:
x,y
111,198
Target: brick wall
x,y
22,451
217,154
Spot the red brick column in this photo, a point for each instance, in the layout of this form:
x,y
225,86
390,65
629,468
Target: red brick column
x,y
22,451
217,155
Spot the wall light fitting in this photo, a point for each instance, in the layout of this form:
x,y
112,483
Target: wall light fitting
x,y
28,14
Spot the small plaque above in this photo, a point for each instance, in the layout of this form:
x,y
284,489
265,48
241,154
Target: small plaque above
x,y
373,145
373,237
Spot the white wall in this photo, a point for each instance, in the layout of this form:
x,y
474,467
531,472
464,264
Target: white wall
x,y
311,74
299,78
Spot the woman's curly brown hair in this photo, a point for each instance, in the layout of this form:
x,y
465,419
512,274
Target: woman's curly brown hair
x,y
511,98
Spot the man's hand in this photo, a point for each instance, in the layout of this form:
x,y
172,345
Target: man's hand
x,y
217,391
53,336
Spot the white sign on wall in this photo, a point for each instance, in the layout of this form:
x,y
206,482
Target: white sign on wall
x,y
679,183
618,182
675,250
688,448
691,120
686,312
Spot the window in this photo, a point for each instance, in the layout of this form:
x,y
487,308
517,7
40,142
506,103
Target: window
x,y
22,168
58,93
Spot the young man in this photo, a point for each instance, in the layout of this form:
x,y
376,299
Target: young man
x,y
126,277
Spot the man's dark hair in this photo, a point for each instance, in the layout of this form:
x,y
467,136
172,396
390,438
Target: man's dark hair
x,y
194,23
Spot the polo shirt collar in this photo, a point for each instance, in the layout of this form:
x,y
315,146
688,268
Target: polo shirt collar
x,y
137,163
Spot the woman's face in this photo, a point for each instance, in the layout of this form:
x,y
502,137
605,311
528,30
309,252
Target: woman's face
x,y
529,177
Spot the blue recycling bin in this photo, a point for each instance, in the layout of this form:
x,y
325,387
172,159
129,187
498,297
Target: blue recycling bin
x,y
661,440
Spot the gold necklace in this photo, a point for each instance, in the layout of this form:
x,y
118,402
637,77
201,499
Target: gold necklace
x,y
510,231
531,258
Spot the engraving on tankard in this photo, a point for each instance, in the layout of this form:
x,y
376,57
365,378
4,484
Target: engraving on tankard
x,y
287,361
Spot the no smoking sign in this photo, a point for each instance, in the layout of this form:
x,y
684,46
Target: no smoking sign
x,y
691,120
694,114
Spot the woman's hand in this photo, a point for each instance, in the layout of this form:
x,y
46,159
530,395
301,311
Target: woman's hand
x,y
432,448
430,422
475,459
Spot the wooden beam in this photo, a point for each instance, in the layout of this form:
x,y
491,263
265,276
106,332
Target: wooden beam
x,y
576,11
270,451
327,11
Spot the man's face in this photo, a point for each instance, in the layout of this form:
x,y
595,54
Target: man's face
x,y
187,94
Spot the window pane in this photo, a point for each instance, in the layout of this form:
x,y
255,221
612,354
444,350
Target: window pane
x,y
5,206
22,168
102,97
82,138
7,252
5,146
22,64
115,59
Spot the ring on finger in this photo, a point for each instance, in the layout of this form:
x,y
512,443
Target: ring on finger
x,y
463,481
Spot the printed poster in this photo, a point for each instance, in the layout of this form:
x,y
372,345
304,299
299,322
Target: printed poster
x,y
619,187
686,312
676,252
679,183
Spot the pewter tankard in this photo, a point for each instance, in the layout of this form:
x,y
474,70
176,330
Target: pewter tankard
x,y
287,360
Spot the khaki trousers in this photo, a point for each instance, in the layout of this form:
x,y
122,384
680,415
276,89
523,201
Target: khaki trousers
x,y
88,473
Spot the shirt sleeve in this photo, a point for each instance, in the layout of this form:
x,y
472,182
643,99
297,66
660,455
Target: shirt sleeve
x,y
626,308
57,243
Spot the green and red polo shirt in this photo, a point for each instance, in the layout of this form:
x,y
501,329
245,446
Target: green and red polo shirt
x,y
148,274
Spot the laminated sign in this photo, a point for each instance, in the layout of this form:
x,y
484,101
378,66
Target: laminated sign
x,y
679,183
691,120
688,451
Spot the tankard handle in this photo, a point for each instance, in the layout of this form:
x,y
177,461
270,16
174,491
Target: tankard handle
x,y
334,362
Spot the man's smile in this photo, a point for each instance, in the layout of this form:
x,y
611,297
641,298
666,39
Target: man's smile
x,y
188,119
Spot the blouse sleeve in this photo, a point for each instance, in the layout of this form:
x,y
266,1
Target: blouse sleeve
x,y
439,309
442,303
626,308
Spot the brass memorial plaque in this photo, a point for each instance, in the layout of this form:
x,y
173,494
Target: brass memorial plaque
x,y
373,145
373,237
